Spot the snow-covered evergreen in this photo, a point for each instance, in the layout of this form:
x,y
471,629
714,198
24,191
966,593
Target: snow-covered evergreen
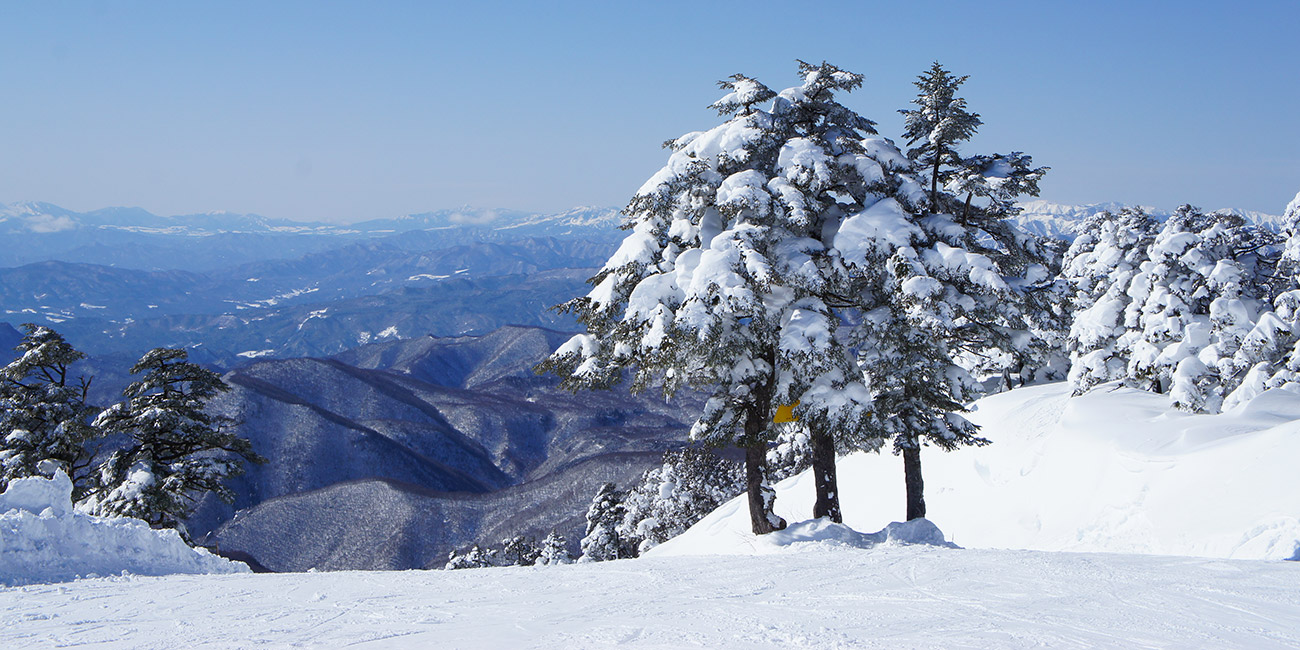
x,y
731,278
554,551
602,542
43,411
1100,265
948,286
473,557
520,550
176,451
1180,307
690,484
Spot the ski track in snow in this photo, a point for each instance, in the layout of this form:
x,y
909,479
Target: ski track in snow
x,y
810,596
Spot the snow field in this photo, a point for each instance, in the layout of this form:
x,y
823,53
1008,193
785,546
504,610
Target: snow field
x,y
812,595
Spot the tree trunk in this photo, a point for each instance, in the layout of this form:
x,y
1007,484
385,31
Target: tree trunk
x,y
915,486
934,181
757,416
761,497
823,468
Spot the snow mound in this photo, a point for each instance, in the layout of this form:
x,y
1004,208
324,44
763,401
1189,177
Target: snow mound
x,y
801,536
917,531
42,539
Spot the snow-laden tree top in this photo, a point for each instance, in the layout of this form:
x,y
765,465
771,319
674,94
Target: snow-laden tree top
x,y
736,260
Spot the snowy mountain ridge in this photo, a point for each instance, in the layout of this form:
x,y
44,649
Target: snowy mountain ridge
x,y
1059,220
34,217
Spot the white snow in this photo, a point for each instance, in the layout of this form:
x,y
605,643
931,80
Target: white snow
x,y
43,540
1115,470
816,596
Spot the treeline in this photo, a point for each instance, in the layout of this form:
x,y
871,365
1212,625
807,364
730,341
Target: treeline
x,y
1203,307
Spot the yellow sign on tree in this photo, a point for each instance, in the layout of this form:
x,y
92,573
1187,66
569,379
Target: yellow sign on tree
x,y
785,413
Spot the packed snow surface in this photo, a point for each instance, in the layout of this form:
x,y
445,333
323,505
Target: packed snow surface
x,y
814,595
42,539
1115,470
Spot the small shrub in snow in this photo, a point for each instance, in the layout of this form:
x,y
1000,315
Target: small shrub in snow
x,y
554,551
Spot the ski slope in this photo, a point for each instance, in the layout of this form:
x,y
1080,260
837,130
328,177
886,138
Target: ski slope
x,y
812,595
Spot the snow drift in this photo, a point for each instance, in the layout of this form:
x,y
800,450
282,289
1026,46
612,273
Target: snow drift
x,y
42,539
1115,470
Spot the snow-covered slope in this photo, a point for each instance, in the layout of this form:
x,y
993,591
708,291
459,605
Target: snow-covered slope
x,y
42,539
1114,470
813,596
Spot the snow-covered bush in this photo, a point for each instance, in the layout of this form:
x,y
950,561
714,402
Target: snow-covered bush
x,y
554,551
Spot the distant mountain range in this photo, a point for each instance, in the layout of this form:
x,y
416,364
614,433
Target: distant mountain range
x,y
392,454
137,239
233,288
1057,220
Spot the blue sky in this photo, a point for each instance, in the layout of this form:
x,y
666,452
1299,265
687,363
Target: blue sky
x,y
345,111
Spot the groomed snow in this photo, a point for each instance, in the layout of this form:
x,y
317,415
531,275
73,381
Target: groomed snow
x,y
42,539
1114,470
810,596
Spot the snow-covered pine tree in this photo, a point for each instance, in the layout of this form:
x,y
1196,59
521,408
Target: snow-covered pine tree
x,y
1205,278
947,283
1100,265
43,411
473,558
519,550
1275,341
729,281
938,124
554,551
175,452
602,542
691,483
1166,294
790,453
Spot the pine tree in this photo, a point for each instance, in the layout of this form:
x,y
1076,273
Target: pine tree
x,y
519,550
790,453
1275,341
938,124
691,483
473,558
175,452
554,551
729,281
1195,296
43,411
602,541
952,286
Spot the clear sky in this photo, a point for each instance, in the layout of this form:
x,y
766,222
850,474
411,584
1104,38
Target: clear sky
x,y
345,111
